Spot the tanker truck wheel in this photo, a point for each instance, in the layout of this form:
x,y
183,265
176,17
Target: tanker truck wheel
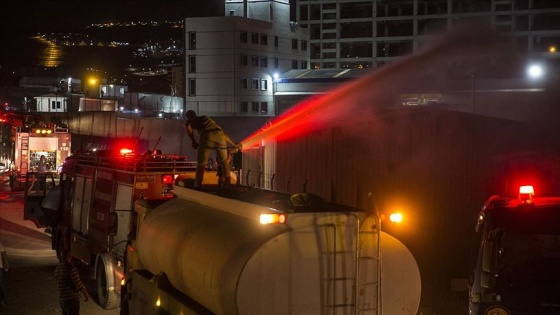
x,y
108,299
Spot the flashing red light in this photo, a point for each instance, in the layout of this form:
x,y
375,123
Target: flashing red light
x,y
167,179
526,194
125,151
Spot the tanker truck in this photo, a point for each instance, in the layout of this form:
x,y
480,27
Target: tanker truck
x,y
252,251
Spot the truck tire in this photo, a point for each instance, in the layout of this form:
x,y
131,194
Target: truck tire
x,y
108,299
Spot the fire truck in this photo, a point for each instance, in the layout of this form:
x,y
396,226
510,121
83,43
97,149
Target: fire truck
x,y
155,245
518,265
89,207
52,142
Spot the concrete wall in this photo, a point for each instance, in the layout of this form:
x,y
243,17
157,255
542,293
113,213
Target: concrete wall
x,y
167,134
98,124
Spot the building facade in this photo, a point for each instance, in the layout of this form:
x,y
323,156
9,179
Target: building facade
x,y
52,103
151,105
370,33
231,61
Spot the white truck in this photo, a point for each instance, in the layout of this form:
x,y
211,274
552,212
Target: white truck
x,y
263,252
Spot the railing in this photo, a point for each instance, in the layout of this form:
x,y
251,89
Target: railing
x,y
136,163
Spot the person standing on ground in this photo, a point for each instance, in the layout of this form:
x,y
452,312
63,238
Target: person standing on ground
x,y
42,165
4,265
41,170
69,285
211,137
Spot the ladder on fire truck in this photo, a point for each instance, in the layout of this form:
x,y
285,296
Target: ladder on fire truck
x,y
365,283
23,153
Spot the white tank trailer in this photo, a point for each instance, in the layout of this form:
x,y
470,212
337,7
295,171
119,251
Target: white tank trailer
x,y
201,253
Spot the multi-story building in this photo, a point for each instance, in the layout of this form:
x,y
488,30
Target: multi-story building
x,y
370,33
231,61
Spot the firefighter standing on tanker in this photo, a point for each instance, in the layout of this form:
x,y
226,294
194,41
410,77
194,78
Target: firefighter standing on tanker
x,y
211,137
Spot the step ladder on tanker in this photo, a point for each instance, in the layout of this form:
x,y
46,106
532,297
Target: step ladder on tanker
x,y
353,284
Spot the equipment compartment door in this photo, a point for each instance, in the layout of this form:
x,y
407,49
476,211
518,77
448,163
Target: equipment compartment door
x,y
82,200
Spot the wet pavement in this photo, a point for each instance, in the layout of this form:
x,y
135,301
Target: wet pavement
x,y
29,283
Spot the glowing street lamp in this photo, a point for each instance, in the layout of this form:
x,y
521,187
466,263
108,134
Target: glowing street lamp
x,y
535,71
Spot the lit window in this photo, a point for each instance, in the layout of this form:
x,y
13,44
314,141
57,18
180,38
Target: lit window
x,y
264,85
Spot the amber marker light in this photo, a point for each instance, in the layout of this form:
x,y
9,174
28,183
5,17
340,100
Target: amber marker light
x,y
272,218
396,217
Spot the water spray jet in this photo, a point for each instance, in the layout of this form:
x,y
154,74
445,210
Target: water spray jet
x,y
344,105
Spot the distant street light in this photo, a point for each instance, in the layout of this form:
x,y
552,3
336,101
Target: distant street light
x,y
535,71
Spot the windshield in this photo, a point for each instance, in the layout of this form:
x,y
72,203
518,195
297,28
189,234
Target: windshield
x,y
528,268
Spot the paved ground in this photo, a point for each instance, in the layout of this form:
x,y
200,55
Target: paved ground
x,y
29,284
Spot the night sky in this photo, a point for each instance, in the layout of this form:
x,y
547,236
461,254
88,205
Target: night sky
x,y
26,18
59,15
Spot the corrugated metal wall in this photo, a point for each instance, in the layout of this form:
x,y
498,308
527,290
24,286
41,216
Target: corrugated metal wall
x,y
435,166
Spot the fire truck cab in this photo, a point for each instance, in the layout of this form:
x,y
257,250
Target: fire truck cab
x,y
518,265
89,208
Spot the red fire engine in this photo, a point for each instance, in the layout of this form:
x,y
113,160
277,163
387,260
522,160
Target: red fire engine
x,y
89,211
52,142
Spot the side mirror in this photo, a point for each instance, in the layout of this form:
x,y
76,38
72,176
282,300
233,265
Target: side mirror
x,y
113,223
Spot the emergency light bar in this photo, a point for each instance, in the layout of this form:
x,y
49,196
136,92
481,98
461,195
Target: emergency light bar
x,y
272,218
42,131
526,194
